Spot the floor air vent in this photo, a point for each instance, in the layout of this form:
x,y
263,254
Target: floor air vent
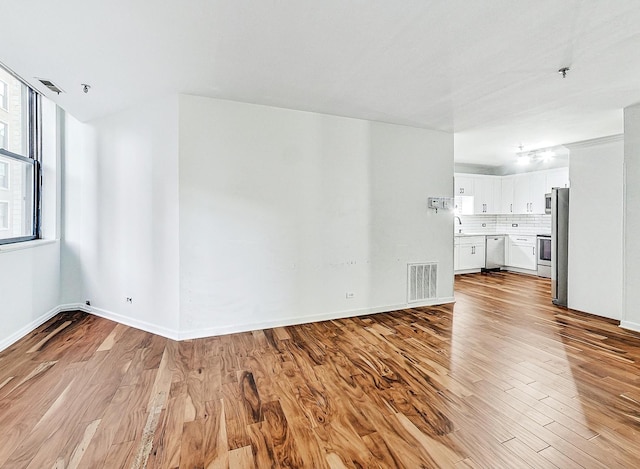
x,y
423,282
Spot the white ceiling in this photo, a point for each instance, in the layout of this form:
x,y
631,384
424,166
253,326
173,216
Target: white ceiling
x,y
486,70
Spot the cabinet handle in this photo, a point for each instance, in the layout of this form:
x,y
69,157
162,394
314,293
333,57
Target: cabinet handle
x,y
533,249
511,208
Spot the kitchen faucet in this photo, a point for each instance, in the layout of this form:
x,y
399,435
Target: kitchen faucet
x,y
460,221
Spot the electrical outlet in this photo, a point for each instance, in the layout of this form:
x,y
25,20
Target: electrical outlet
x,y
129,300
350,295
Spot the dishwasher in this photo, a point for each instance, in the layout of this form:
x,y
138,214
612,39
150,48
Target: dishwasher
x,y
494,252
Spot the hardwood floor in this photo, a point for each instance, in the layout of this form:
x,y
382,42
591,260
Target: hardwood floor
x,y
501,379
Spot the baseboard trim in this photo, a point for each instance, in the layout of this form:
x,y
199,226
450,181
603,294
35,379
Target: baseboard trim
x,y
211,331
33,325
632,326
293,321
518,270
74,307
135,323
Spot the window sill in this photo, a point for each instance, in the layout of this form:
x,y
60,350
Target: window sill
x,y
26,245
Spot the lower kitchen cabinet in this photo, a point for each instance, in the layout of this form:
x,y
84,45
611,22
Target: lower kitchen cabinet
x,y
469,252
522,252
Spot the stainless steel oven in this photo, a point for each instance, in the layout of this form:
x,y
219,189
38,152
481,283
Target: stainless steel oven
x,y
544,255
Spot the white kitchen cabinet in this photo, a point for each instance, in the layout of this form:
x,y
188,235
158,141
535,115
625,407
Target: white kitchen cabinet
x,y
507,195
469,252
556,178
463,185
487,194
522,252
528,193
514,194
536,192
521,193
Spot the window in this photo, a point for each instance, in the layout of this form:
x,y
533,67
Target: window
x,y
4,175
4,215
4,135
4,100
19,161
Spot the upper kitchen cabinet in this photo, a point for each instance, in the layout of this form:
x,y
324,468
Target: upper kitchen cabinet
x,y
537,191
464,185
507,195
528,193
514,194
556,178
487,194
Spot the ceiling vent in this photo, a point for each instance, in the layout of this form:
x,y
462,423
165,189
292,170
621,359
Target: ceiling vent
x,y
49,85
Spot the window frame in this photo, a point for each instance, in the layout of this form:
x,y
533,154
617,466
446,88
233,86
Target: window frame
x,y
5,137
4,100
7,177
35,223
34,150
4,202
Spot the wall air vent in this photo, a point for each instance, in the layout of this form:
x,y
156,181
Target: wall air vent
x,y
422,282
49,85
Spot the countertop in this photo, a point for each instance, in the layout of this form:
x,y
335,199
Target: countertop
x,y
462,235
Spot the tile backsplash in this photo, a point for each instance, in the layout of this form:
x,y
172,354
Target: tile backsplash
x,y
503,224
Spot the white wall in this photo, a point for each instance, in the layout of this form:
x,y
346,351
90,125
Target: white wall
x,y
29,289
282,212
30,272
121,216
596,227
631,317
216,216
78,150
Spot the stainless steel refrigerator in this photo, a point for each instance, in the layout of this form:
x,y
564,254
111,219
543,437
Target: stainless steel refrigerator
x,y
559,245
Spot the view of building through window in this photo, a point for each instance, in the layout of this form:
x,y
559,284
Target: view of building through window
x,y
3,94
4,135
16,177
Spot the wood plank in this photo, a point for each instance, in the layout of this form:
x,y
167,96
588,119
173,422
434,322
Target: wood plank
x,y
517,382
241,458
